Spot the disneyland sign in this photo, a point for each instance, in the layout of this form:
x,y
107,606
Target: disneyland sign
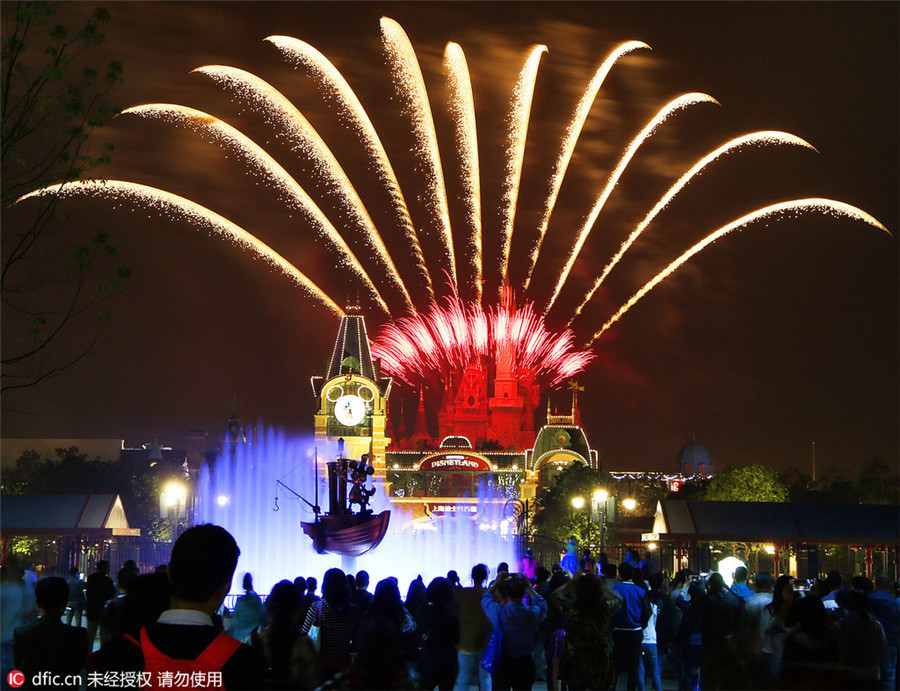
x,y
455,461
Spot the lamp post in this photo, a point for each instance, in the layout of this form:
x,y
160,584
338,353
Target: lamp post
x,y
598,514
578,504
172,501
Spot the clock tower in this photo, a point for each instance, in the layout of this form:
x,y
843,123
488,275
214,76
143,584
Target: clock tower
x,y
352,396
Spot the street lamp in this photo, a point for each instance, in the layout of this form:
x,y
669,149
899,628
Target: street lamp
x,y
173,499
578,504
629,504
598,514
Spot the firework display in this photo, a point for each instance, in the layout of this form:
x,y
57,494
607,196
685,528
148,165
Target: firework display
x,y
424,338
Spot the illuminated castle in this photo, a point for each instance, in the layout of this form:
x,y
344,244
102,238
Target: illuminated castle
x,y
485,423
504,420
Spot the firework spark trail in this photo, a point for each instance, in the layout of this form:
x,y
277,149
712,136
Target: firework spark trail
x,y
410,87
519,116
351,111
825,205
302,136
448,338
480,327
263,164
461,328
198,216
669,109
760,138
462,110
573,131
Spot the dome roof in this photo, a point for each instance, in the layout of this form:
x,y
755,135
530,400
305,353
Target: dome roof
x,y
694,458
456,442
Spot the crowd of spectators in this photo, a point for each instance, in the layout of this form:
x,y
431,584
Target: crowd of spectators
x,y
602,627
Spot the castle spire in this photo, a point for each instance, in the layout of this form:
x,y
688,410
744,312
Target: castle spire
x,y
576,412
420,431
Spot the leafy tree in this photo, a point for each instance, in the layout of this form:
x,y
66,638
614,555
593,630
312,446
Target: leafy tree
x,y
51,103
554,515
878,483
750,483
692,488
142,507
70,472
648,494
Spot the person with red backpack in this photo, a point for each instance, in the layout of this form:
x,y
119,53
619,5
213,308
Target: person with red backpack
x,y
184,648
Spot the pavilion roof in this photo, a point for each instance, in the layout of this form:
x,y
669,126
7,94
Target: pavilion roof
x,y
64,514
776,522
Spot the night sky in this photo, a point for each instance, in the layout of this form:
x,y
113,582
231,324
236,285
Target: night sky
x,y
773,338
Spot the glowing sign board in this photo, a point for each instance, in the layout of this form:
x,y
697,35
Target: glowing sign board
x,y
455,461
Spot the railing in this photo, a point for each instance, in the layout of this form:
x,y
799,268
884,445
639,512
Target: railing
x,y
58,556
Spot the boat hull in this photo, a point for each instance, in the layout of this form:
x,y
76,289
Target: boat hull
x,y
350,535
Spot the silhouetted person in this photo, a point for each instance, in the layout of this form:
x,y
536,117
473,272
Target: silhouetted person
x,y
863,642
337,619
310,598
528,565
610,571
383,629
184,638
288,657
415,596
361,597
628,624
49,645
587,564
586,660
248,611
739,587
690,632
16,607
886,609
148,597
439,628
756,621
111,616
518,619
723,611
832,588
98,590
475,632
75,606
812,650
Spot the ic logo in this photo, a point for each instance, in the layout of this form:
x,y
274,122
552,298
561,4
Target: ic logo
x,y
15,678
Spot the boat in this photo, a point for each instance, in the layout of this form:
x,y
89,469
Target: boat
x,y
350,535
341,530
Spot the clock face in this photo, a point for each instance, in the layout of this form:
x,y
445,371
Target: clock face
x,y
349,410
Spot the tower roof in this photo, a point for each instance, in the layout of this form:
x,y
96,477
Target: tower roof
x,y
351,355
351,350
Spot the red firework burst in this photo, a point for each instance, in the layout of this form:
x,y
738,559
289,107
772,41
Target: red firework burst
x,y
448,337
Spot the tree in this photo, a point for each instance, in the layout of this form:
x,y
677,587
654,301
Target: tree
x,y
70,472
750,483
878,483
554,514
52,103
